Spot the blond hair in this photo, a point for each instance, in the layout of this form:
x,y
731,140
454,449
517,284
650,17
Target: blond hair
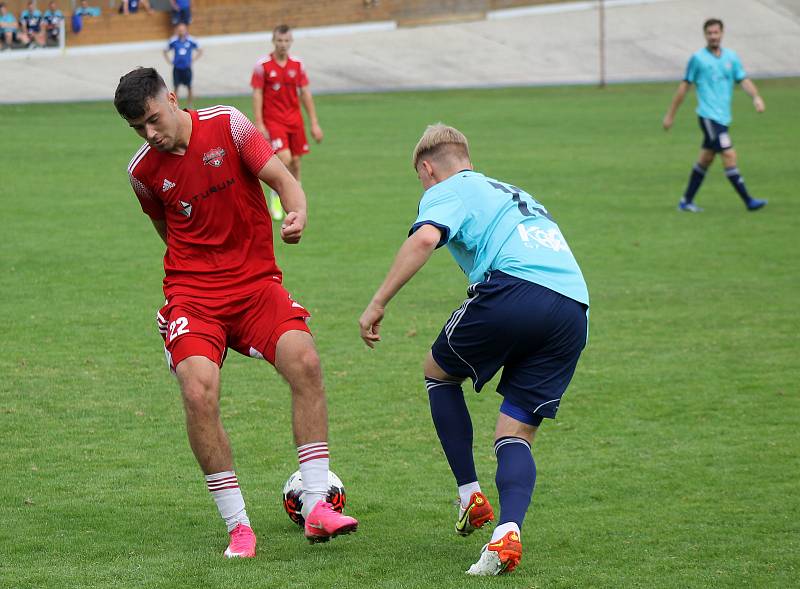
x,y
439,140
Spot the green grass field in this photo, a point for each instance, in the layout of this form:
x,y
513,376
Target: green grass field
x,y
674,461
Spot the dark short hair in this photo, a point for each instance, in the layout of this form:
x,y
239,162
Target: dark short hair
x,y
281,30
711,22
134,90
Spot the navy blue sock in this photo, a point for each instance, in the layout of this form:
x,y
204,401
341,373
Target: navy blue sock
x,y
695,180
515,479
454,427
738,183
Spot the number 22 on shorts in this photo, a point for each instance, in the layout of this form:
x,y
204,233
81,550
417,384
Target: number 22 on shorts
x,y
178,327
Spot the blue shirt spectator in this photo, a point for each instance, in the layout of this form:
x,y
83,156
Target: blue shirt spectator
x,y
181,12
132,6
8,22
9,29
31,18
32,23
53,18
85,10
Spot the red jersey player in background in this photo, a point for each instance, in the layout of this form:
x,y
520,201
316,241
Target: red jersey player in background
x,y
278,81
197,178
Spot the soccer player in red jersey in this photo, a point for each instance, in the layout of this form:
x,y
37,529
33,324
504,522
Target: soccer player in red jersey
x,y
279,84
197,178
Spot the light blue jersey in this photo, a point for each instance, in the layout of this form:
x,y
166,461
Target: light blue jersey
x,y
490,225
714,77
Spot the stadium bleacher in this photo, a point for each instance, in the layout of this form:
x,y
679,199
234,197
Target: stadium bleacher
x,y
225,17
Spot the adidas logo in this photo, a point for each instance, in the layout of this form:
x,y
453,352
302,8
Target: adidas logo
x,y
186,209
167,185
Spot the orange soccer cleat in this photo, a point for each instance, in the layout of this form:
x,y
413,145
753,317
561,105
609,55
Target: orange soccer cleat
x,y
475,515
499,557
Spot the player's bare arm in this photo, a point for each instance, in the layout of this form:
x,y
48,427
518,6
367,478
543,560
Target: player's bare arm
x,y
749,87
412,255
293,199
677,99
166,56
258,114
161,228
311,111
198,53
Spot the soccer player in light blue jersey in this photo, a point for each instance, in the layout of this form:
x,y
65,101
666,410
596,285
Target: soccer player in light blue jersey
x,y
714,71
526,313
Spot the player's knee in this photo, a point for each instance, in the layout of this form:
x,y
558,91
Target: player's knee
x,y
285,156
306,370
729,158
309,362
200,395
706,159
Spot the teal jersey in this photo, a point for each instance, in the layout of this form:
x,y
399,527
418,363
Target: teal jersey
x,y
714,77
490,225
8,22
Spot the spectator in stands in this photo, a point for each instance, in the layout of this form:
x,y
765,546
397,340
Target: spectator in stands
x,y
9,29
33,25
181,12
132,6
183,46
53,18
85,10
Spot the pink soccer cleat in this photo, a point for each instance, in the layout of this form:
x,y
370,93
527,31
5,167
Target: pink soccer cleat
x,y
323,523
243,543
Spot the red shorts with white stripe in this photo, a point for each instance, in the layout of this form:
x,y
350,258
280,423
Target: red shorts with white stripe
x,y
283,137
250,323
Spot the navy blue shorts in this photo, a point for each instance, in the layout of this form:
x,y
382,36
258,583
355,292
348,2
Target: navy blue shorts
x,y
182,77
535,334
182,16
715,135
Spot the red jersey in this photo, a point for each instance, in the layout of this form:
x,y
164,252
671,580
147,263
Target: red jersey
x,y
219,231
281,86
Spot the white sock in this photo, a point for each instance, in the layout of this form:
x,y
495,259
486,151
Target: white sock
x,y
224,488
314,459
466,491
504,529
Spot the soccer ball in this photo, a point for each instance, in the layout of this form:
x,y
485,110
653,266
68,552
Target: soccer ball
x,y
293,496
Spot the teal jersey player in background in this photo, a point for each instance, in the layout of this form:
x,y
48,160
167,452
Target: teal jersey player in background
x,y
714,77
526,313
714,71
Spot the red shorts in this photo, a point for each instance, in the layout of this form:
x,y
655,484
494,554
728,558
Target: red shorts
x,y
282,137
251,324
